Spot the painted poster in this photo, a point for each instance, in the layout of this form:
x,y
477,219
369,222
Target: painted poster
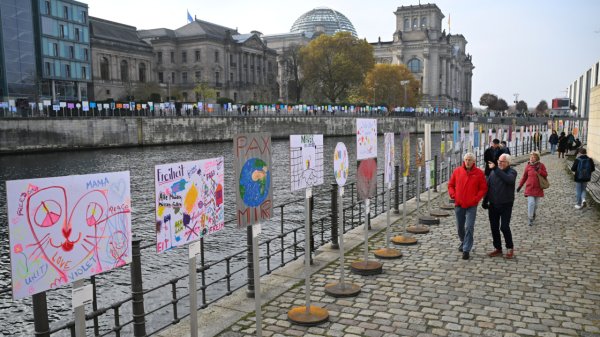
x,y
443,145
428,174
252,167
455,137
366,178
463,143
64,229
427,141
405,154
366,138
476,138
340,164
419,155
472,135
389,160
306,161
189,201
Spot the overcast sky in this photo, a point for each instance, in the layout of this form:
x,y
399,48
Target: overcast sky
x,y
535,48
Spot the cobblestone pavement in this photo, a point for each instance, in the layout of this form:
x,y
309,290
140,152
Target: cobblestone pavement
x,y
550,288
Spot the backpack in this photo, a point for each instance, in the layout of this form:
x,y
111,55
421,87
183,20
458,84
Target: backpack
x,y
584,170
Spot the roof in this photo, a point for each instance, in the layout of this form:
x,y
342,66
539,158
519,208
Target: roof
x,y
114,31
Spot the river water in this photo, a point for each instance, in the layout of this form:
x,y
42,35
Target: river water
x,y
16,317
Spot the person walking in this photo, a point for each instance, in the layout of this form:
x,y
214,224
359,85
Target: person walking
x,y
533,190
553,140
499,202
491,154
583,166
504,147
467,186
562,145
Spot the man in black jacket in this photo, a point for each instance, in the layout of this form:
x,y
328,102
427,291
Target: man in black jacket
x,y
491,154
499,203
583,166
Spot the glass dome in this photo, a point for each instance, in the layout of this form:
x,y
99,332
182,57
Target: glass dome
x,y
323,19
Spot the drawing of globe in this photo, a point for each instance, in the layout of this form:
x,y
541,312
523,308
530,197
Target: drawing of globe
x,y
255,181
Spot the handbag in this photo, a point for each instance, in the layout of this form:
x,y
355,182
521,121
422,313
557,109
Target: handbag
x,y
544,183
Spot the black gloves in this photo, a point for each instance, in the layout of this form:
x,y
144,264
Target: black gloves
x,y
485,205
519,189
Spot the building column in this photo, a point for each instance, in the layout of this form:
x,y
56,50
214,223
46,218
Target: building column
x,y
426,74
444,85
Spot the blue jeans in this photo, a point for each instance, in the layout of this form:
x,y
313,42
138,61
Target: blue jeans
x,y
552,148
465,225
532,205
580,192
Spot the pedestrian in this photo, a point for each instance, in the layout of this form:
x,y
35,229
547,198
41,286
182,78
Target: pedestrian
x,y
491,154
562,145
533,191
570,141
504,147
537,141
583,166
553,140
467,186
499,202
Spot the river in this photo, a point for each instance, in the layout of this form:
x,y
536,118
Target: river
x,y
16,317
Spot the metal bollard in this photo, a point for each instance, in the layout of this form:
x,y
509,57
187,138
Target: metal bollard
x,y
435,173
311,203
334,217
249,261
397,189
137,289
40,315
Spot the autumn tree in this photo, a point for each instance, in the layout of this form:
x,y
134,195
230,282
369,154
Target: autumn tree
x,y
204,92
383,85
500,105
488,100
292,76
541,108
522,106
332,65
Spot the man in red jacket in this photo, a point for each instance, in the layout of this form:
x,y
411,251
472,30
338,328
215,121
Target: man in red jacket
x,y
467,186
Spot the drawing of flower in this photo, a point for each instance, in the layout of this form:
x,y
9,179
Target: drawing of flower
x,y
18,248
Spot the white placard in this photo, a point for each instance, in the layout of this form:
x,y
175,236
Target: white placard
x,y
82,295
306,161
194,249
427,174
366,138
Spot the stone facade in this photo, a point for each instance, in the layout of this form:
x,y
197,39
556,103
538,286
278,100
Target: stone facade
x,y
437,59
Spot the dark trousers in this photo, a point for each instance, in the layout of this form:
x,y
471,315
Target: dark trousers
x,y
500,222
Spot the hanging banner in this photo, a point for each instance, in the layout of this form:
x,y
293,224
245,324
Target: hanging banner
x,y
366,138
252,167
443,145
428,174
189,201
419,155
405,153
306,161
340,164
455,137
427,141
388,171
471,136
64,229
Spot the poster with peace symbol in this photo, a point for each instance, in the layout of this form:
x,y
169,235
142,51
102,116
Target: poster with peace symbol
x,y
64,229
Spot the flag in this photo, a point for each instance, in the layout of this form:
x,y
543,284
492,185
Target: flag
x,y
189,17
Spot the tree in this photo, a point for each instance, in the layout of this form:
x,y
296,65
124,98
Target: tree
x,y
293,81
522,106
334,64
204,92
488,100
147,91
500,105
542,108
382,85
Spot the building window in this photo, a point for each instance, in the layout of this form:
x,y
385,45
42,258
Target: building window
x,y
84,16
172,77
184,77
172,57
406,24
414,65
124,71
104,69
48,8
66,12
55,49
217,77
47,68
235,97
197,55
231,77
159,57
84,73
424,22
142,72
216,56
415,23
71,52
218,94
198,76
183,57
61,31
86,54
161,78
77,38
67,71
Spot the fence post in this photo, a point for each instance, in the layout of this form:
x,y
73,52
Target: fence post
x,y
397,189
334,217
249,261
40,315
137,289
311,203
435,173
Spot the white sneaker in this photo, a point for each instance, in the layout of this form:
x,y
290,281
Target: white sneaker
x,y
577,206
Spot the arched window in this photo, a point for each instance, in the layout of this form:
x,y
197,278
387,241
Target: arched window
x,y
415,23
424,22
104,69
142,72
124,71
406,24
414,65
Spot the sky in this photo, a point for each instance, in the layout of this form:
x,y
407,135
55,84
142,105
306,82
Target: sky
x,y
534,48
